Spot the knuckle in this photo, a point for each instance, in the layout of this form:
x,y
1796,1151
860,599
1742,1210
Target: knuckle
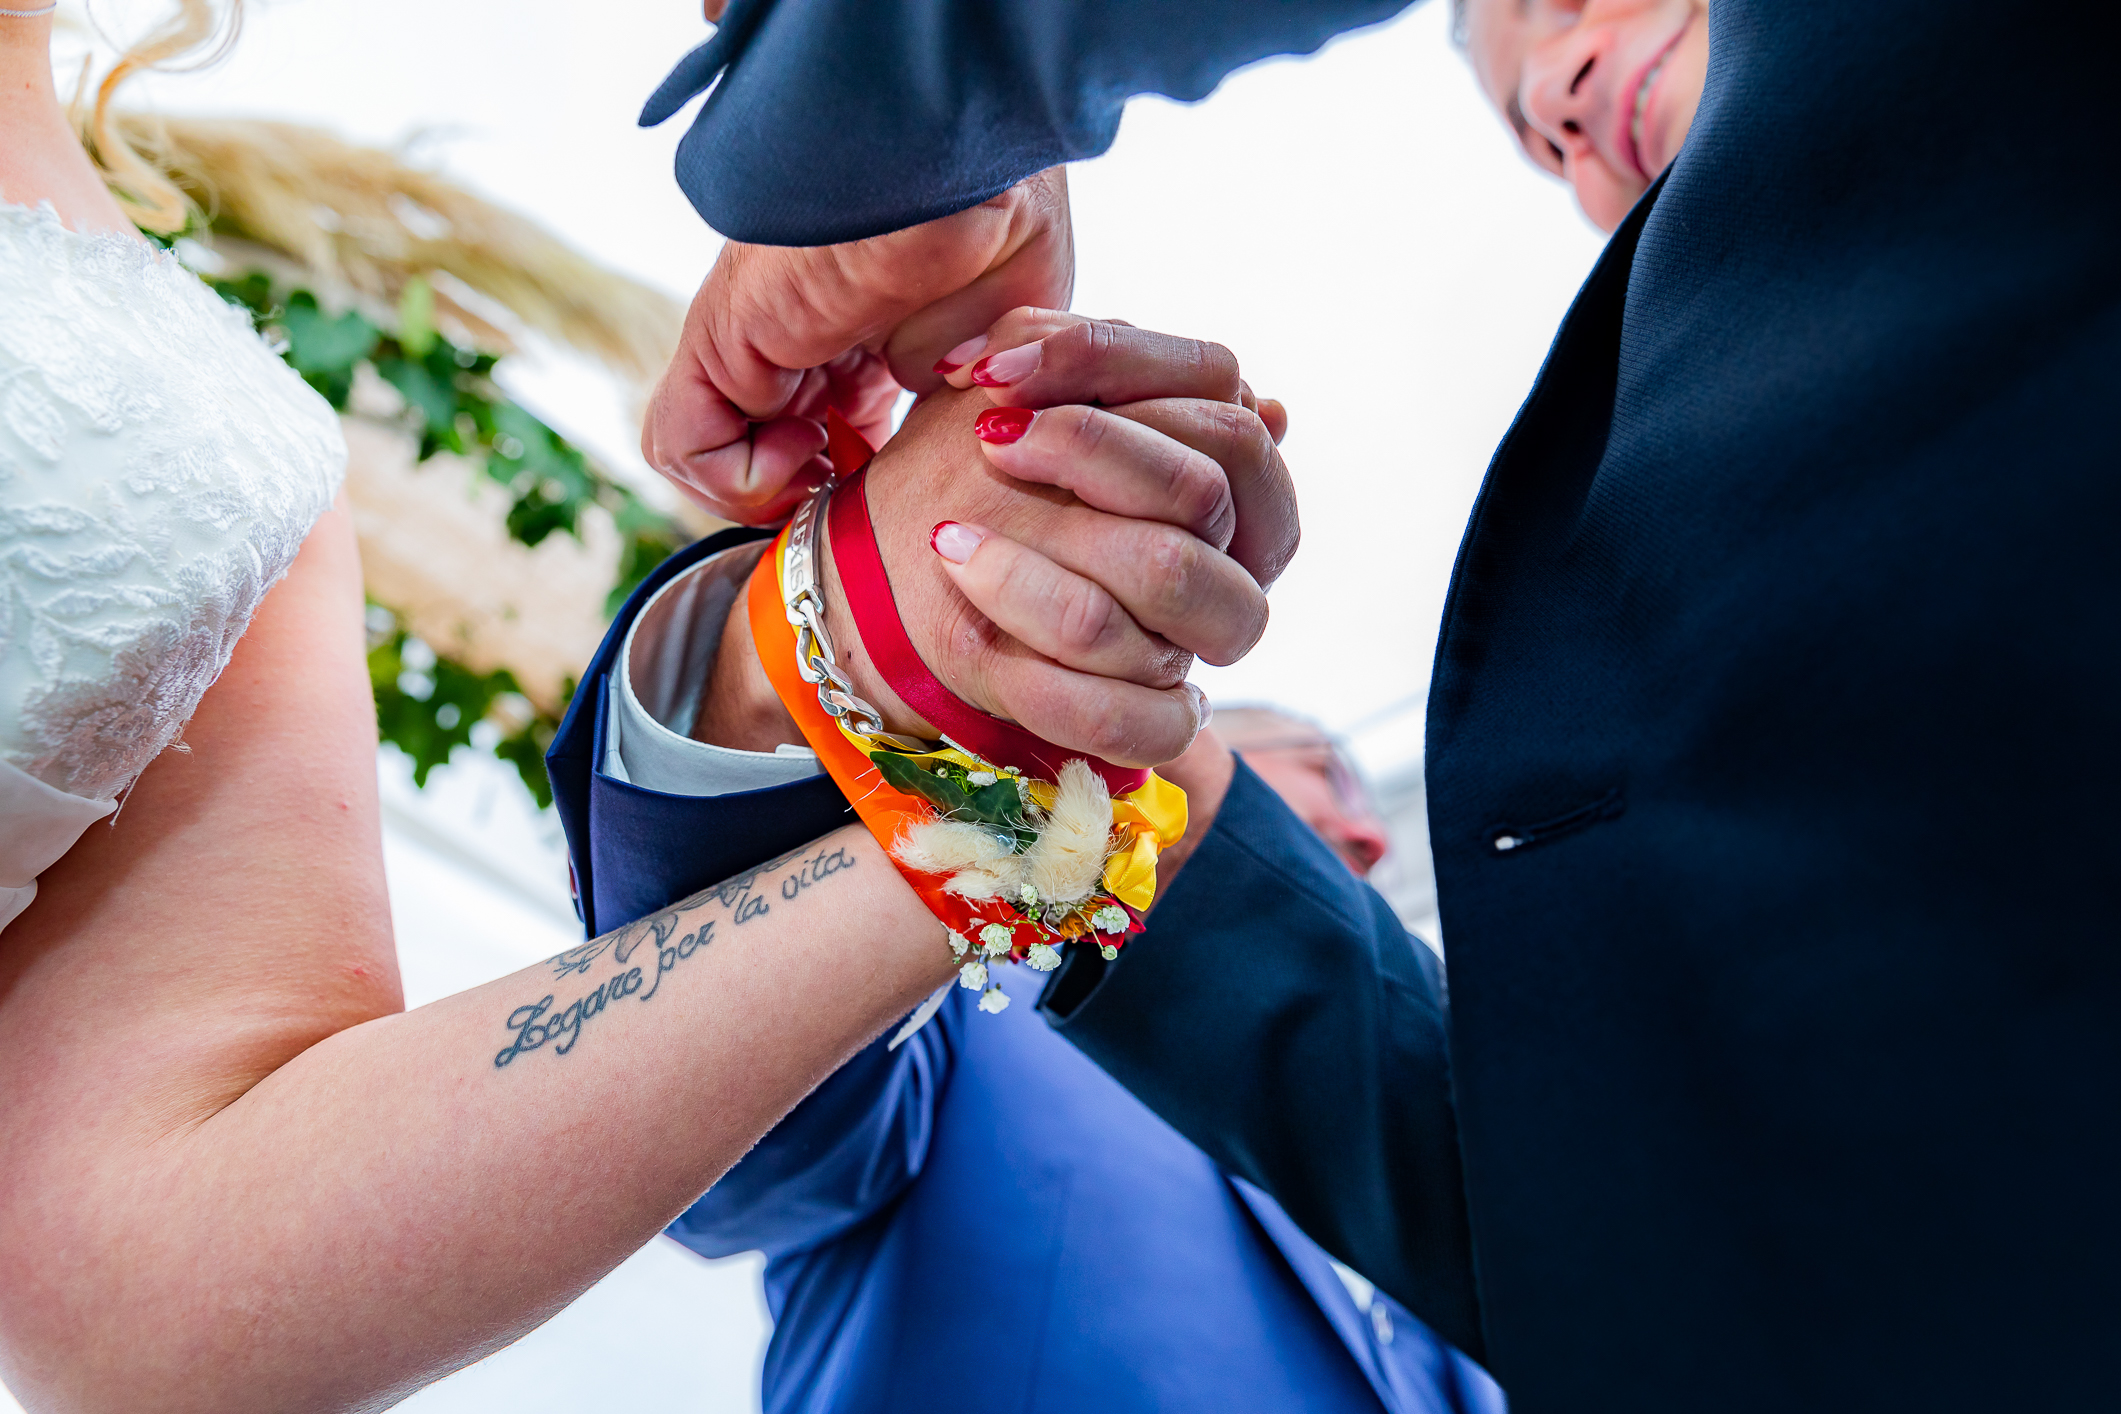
x,y
1077,347
1217,367
1167,666
1241,632
1115,734
1083,430
1085,620
1172,567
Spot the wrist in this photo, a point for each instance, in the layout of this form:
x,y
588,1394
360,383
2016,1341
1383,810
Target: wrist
x,y
854,659
1204,773
739,708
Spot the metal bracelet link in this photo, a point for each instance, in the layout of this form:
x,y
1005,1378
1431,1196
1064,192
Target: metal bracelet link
x,y
815,661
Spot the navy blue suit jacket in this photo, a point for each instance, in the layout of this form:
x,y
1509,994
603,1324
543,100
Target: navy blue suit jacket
x,y
1771,760
982,1219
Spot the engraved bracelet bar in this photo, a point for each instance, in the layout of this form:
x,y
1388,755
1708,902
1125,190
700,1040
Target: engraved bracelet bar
x,y
815,662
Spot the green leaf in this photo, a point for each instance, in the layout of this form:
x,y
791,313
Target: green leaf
x,y
902,773
535,515
432,399
416,317
997,804
251,291
525,750
325,349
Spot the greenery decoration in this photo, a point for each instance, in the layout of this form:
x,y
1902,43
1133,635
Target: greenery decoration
x,y
427,705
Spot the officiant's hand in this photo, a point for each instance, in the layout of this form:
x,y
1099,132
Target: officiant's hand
x,y
778,334
1061,570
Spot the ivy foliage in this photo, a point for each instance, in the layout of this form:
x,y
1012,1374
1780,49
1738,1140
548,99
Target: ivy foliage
x,y
452,403
428,705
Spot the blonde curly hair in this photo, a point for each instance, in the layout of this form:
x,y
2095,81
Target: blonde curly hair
x,y
196,34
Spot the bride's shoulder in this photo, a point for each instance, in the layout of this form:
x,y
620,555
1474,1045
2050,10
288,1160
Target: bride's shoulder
x,y
159,468
89,312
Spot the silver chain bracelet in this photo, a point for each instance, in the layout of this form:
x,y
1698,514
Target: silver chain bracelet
x,y
814,659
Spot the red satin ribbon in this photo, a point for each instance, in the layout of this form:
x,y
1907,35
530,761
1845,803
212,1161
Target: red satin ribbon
x,y
876,618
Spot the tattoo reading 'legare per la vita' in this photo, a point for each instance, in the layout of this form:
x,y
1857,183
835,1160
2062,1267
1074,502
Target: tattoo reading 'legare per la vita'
x,y
738,901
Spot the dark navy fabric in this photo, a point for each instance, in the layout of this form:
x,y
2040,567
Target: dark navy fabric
x,y
1782,1055
831,120
984,1221
656,846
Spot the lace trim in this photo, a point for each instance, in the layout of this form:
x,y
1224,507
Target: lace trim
x,y
159,470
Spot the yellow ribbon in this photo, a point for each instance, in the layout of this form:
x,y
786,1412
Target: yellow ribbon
x,y
1153,817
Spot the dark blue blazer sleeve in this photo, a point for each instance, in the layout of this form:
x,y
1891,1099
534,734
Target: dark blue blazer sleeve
x,y
1278,1015
634,850
838,119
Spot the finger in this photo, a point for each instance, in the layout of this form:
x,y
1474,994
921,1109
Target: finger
x,y
750,474
1127,466
1052,611
1116,721
1037,270
1102,361
859,387
767,309
1171,583
1242,448
1276,417
1025,324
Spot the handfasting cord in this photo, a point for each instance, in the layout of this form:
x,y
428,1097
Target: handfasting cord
x,y
876,618
1016,856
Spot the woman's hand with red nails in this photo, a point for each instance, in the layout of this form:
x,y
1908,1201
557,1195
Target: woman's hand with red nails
x,y
1073,622
1140,424
778,334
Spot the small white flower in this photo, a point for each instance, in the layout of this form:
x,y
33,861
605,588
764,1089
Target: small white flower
x,y
957,944
980,778
1029,895
1044,957
972,976
1110,919
1108,950
994,999
996,939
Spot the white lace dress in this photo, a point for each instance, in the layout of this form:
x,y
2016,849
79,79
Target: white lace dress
x,y
159,468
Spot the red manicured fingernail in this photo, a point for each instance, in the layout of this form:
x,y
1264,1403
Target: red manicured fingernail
x,y
1002,426
955,542
1009,366
963,354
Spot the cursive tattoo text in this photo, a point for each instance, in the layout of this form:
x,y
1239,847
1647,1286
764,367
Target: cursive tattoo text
x,y
670,938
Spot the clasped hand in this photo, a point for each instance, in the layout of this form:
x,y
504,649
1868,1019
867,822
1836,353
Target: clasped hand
x,y
1064,537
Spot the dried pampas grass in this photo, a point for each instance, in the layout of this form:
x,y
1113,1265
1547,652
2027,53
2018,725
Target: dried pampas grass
x,y
363,221
1068,859
1064,865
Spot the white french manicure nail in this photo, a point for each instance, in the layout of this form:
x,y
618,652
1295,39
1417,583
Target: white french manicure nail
x,y
955,542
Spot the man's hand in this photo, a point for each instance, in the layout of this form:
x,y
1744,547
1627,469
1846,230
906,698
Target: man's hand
x,y
778,334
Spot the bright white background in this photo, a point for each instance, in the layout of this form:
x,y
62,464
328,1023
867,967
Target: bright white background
x,y
1357,226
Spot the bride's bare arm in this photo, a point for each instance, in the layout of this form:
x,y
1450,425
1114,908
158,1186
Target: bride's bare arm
x,y
235,1175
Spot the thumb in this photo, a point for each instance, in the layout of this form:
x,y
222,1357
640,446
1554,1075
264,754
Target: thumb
x,y
705,445
766,310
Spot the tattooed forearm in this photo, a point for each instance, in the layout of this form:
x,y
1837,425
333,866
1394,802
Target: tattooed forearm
x,y
674,936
